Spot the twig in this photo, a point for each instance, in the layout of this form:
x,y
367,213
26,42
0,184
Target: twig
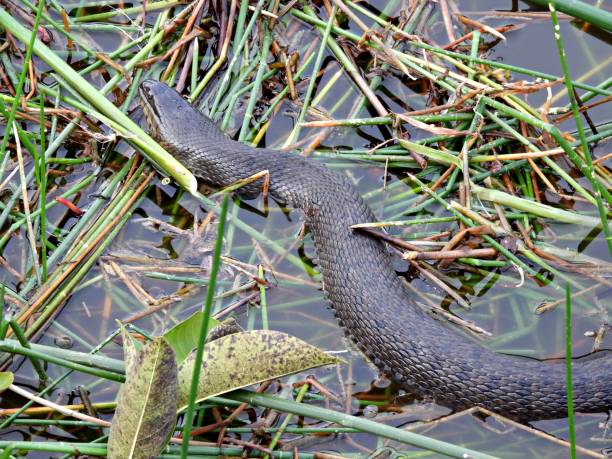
x,y
58,408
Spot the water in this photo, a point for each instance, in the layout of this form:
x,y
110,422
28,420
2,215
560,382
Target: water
x,y
501,302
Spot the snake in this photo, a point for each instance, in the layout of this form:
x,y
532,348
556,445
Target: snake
x,y
420,352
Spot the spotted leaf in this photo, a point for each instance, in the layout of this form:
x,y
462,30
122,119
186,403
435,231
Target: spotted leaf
x,y
242,359
146,408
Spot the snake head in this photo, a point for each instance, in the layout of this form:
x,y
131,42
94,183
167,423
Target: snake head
x,y
175,124
167,113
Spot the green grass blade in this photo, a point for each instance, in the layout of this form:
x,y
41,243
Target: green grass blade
x,y
210,295
568,366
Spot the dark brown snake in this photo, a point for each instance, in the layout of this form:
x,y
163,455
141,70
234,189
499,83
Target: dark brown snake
x,y
420,353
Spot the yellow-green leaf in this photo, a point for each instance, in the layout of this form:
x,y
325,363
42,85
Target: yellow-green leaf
x,y
130,351
6,379
183,337
146,408
242,359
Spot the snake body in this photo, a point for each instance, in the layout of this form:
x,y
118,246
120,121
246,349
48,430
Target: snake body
x,y
419,352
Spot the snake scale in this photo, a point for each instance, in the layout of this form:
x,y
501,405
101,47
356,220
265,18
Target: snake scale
x,y
419,352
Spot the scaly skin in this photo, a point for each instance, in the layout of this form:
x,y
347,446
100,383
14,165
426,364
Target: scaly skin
x,y
373,306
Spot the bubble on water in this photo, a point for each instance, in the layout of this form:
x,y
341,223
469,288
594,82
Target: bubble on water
x,y
370,411
382,383
64,342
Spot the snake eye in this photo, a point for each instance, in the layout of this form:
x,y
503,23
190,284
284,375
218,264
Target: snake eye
x,y
146,87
